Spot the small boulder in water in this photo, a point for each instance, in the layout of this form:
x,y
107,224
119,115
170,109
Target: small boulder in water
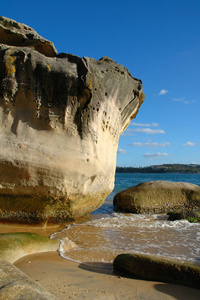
x,y
159,197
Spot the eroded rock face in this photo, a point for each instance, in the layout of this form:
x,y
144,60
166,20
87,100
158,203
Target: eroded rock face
x,y
61,118
159,197
17,34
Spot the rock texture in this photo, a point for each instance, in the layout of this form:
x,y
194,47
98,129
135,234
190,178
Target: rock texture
x,y
16,34
16,245
15,285
159,197
157,268
61,118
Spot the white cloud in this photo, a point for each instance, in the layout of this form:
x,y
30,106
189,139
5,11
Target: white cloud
x,y
190,144
183,100
148,130
145,125
188,102
163,92
150,145
128,131
155,155
178,99
121,151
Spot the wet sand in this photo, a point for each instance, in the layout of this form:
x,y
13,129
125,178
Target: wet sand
x,y
69,280
42,230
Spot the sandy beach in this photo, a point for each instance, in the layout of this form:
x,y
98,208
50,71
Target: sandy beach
x,y
69,280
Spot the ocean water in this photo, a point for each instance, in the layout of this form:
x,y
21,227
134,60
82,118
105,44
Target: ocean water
x,y
105,233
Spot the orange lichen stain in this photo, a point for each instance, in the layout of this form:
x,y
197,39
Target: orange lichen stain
x,y
89,83
141,100
48,67
84,97
10,65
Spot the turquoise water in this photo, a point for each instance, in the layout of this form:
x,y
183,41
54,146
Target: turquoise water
x,y
107,233
126,180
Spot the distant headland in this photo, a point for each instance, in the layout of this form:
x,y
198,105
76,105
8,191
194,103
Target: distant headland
x,y
165,168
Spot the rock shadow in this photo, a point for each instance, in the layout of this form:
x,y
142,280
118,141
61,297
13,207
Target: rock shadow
x,y
179,292
98,267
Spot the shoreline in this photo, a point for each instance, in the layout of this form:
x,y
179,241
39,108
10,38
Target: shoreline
x,y
67,279
70,280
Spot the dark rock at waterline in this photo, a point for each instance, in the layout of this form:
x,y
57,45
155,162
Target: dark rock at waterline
x,y
150,267
174,216
159,197
60,121
14,285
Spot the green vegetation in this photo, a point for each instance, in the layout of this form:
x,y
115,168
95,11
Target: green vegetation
x,y
165,168
190,216
194,219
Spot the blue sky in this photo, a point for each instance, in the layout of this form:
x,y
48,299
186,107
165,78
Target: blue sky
x,y
158,41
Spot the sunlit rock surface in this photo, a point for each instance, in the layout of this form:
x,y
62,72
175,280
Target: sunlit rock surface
x,y
159,197
61,118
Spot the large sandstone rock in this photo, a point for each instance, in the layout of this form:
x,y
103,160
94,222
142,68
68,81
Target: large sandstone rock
x,y
15,285
16,245
151,267
159,197
61,118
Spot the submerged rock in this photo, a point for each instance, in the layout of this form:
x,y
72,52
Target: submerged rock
x,y
61,118
151,267
14,285
159,197
15,245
